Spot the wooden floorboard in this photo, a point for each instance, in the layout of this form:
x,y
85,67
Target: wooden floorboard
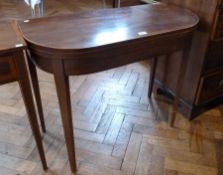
x,y
117,130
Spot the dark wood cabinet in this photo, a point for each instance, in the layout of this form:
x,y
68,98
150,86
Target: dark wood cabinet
x,y
211,86
203,85
218,32
214,56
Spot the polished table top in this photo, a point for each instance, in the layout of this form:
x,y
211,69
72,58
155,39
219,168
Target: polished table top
x,y
91,29
107,38
10,39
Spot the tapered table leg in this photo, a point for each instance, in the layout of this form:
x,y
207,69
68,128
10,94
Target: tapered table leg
x,y
63,92
180,80
114,3
25,86
152,76
119,3
35,83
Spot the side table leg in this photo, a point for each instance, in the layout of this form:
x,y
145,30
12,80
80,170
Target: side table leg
x,y
35,83
113,3
119,3
25,86
152,76
180,80
63,93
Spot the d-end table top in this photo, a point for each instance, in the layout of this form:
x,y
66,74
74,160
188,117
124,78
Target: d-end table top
x,y
10,38
81,31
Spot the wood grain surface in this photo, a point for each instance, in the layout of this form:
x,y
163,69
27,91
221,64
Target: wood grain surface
x,y
112,105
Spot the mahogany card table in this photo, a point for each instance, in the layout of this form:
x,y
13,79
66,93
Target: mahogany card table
x,y
13,68
93,41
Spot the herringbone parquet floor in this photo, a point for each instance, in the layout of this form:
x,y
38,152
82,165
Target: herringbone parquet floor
x,y
117,130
